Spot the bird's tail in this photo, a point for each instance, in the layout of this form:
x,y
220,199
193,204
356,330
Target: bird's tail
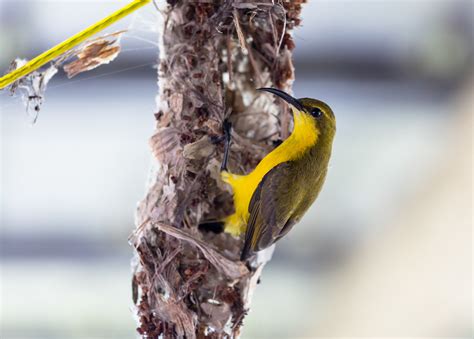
x,y
246,251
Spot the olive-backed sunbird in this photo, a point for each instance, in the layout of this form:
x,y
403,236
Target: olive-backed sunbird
x,y
272,198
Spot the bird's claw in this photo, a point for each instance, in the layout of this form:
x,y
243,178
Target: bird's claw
x,y
226,128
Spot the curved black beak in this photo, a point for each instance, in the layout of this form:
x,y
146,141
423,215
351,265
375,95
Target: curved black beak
x,y
285,96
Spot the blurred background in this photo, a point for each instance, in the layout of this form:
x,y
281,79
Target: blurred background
x,y
385,252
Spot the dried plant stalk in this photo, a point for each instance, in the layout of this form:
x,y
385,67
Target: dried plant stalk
x,y
188,282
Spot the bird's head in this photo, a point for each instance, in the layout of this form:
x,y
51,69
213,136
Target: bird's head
x,y
319,112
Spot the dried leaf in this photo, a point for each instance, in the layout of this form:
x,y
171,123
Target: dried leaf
x,y
176,103
97,52
218,313
199,149
164,142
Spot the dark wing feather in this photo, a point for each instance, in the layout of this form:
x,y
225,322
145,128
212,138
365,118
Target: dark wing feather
x,y
270,210
254,208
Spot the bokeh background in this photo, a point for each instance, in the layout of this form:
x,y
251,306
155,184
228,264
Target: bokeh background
x,y
385,252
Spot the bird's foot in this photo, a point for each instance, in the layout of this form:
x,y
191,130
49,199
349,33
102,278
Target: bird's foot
x,y
227,129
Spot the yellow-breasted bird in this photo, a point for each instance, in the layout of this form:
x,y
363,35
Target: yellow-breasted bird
x,y
272,198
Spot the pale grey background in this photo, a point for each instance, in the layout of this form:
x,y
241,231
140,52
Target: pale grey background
x,y
385,252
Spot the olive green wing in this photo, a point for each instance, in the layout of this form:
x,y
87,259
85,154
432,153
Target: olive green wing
x,y
270,210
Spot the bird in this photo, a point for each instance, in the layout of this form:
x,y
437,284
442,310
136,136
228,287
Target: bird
x,y
274,196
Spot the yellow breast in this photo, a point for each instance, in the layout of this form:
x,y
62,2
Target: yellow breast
x,y
304,136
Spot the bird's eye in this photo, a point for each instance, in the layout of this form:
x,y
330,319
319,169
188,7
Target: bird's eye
x,y
316,112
